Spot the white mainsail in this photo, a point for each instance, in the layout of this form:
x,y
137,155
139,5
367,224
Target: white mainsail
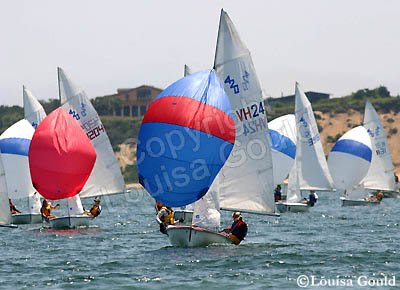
x,y
106,177
246,180
5,214
381,172
34,114
310,162
33,110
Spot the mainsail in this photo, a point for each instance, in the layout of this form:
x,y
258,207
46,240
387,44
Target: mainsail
x,y
34,114
33,110
106,177
246,180
310,163
381,172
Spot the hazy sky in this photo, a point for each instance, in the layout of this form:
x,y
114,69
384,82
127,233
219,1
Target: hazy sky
x,y
328,46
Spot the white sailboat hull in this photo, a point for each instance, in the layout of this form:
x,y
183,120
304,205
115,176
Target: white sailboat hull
x,y
358,202
190,236
26,218
70,222
292,207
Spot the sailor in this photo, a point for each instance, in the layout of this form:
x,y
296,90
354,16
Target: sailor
x,y
13,209
238,231
46,209
312,199
379,195
278,193
95,210
165,217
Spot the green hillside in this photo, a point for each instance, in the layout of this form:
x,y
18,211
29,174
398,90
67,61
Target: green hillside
x,y
124,130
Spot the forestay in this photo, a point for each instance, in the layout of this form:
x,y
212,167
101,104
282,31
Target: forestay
x,y
311,166
246,180
381,172
106,177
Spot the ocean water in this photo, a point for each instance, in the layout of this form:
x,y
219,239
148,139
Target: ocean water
x,y
123,249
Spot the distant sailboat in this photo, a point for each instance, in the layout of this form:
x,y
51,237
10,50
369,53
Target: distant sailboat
x,y
14,146
106,177
380,176
246,181
61,159
310,170
349,162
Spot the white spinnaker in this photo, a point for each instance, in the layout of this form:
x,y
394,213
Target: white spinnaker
x,y
246,180
310,162
206,210
75,205
350,158
5,214
381,172
106,177
14,144
33,110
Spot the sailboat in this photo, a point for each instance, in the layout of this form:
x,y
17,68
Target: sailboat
x,y
106,177
61,159
245,182
310,170
380,176
282,132
349,162
181,150
14,146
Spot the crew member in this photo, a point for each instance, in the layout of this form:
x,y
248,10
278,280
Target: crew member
x,y
238,231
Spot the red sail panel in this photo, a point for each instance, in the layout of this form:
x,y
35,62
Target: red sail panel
x,y
61,156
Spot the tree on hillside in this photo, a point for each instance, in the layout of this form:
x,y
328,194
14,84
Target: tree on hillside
x,y
106,105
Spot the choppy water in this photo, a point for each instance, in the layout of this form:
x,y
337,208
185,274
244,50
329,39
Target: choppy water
x,y
124,250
